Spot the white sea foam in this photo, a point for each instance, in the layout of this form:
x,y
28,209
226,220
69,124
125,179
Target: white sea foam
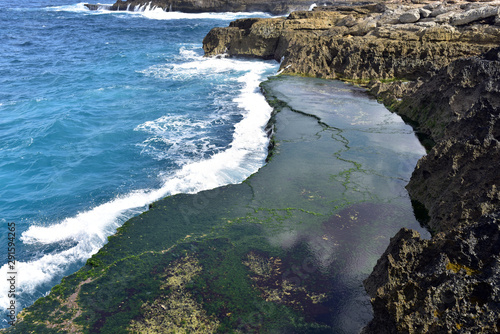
x,y
160,14
79,7
176,135
152,12
88,230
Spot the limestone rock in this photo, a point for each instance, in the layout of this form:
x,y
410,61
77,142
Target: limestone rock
x,y
451,93
410,16
460,107
444,9
474,15
424,12
343,43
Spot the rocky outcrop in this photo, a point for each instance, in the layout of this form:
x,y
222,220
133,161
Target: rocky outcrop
x,y
443,285
459,107
437,65
197,6
353,42
450,282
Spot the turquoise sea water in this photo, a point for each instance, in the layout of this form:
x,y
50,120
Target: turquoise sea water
x,y
102,113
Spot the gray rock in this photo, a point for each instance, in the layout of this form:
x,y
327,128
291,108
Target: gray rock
x,y
432,5
426,24
410,16
474,15
443,10
424,12
443,18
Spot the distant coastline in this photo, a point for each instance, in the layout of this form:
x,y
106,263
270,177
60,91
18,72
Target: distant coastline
x,y
273,7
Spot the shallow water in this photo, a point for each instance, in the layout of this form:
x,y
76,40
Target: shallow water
x,y
104,113
336,186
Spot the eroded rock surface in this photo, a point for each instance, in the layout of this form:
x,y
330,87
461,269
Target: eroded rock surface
x,y
441,285
354,42
438,65
460,108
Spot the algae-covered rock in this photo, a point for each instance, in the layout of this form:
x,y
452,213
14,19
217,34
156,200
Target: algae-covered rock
x,y
175,311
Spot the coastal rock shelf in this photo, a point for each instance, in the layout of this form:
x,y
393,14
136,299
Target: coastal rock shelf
x,y
437,65
285,251
359,43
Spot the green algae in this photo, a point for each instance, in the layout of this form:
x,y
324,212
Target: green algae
x,y
285,250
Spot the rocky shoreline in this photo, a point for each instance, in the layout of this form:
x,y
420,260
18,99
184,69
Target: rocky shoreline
x,y
285,251
196,6
438,65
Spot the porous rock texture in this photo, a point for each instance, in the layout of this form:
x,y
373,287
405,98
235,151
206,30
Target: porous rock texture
x,y
448,284
438,65
458,181
353,42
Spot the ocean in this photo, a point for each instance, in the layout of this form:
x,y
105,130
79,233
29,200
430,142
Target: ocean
x,y
102,113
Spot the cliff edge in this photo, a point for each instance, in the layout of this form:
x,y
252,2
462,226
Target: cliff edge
x,y
437,64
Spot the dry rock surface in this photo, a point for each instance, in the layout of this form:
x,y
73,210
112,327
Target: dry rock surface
x,y
360,42
438,65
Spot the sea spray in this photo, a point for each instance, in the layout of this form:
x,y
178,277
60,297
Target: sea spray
x,y
89,229
105,112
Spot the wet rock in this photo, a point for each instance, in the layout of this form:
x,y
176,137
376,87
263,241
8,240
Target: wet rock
x,y
440,285
451,93
450,282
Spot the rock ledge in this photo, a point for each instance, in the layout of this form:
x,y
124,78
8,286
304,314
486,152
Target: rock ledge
x,y
437,64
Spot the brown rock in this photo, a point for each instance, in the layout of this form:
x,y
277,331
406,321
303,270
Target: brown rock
x,y
450,282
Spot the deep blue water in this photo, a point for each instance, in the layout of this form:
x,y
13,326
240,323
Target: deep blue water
x,y
102,113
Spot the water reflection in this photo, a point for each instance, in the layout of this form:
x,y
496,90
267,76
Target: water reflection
x,y
334,194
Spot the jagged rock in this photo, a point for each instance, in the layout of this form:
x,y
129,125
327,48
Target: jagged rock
x,y
440,285
454,94
474,15
410,16
460,108
344,43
